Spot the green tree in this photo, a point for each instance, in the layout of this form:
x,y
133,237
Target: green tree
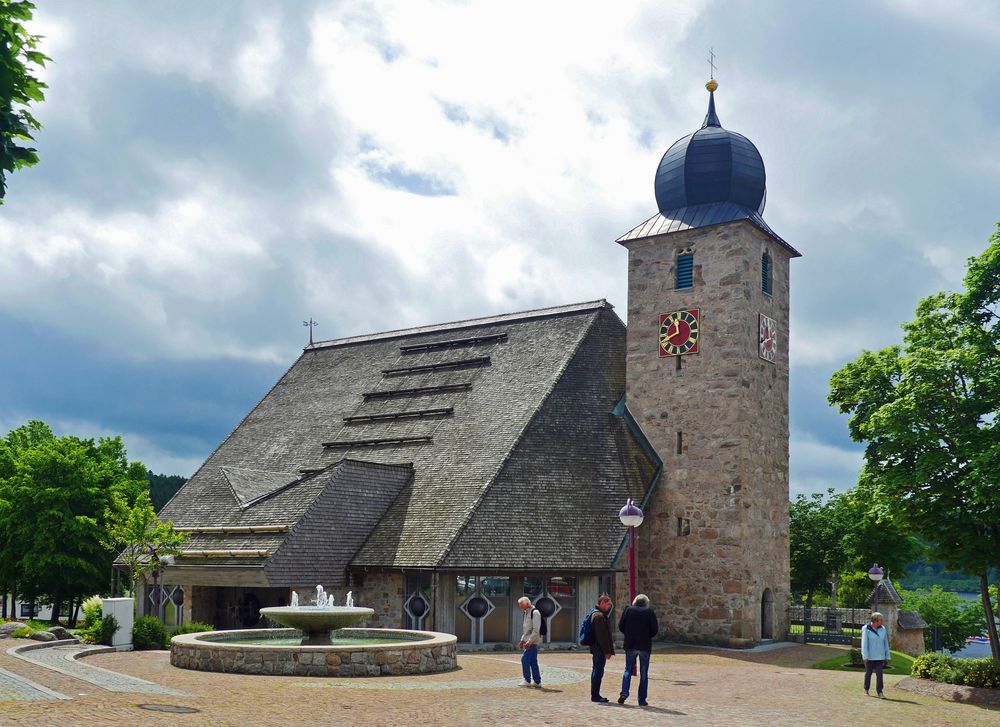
x,y
834,540
12,447
55,505
817,533
954,617
142,539
926,410
18,88
163,487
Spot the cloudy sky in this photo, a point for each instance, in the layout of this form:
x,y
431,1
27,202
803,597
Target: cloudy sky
x,y
214,173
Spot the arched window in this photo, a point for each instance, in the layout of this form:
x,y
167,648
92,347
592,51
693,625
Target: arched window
x,y
765,273
685,271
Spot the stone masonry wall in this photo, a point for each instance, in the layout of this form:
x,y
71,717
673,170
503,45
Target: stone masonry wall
x,y
727,488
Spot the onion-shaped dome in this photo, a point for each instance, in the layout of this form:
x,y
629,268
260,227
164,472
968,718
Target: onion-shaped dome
x,y
711,165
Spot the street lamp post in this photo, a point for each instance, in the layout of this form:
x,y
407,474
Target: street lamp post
x,y
875,573
631,517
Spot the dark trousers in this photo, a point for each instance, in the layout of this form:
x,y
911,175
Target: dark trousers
x,y
529,664
876,666
597,674
630,657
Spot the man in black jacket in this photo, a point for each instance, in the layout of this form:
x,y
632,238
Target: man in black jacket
x,y
638,623
603,646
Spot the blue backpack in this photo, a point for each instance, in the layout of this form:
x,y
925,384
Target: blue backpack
x,y
587,633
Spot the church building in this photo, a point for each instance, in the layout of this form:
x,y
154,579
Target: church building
x,y
441,472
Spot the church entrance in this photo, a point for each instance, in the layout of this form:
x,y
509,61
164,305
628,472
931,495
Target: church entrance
x,y
767,615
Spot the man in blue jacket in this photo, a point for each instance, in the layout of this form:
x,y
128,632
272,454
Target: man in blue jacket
x,y
875,652
638,623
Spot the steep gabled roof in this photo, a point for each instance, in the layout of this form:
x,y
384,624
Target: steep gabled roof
x,y
555,502
455,401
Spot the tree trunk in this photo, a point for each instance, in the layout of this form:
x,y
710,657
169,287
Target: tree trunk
x,y
807,613
74,612
56,606
13,600
991,624
4,612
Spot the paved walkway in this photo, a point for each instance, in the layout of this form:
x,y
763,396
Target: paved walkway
x,y
63,657
689,686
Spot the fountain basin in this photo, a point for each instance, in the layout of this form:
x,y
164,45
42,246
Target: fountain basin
x,y
315,622
409,652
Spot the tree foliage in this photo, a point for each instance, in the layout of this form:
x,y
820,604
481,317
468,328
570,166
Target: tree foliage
x,y
54,497
836,538
926,410
954,617
143,540
19,56
163,487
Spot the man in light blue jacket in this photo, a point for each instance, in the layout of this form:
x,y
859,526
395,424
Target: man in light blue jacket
x,y
875,652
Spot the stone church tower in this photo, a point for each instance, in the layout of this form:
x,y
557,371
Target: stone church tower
x,y
707,380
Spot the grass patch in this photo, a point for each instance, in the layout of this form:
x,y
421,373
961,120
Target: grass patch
x,y
901,663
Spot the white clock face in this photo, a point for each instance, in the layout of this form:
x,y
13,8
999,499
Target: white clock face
x,y
767,344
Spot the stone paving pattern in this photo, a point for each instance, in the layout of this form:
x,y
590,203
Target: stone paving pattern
x,y
63,659
689,686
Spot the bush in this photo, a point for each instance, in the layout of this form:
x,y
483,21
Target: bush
x,y
22,633
983,673
932,666
191,628
855,656
149,633
947,669
92,609
106,629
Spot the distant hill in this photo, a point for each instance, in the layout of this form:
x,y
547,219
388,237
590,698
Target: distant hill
x,y
163,487
923,574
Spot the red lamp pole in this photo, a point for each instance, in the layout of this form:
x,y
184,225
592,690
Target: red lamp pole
x,y
631,564
631,517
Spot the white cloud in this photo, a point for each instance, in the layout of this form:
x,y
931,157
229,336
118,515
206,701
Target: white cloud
x,y
976,17
815,466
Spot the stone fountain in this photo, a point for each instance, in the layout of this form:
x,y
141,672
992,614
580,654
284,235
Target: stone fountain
x,y
326,648
318,622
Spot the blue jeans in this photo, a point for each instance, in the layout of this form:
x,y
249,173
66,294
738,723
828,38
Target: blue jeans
x,y
529,664
630,655
597,674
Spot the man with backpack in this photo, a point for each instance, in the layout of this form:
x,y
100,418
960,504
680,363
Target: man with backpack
x,y
531,637
638,623
595,632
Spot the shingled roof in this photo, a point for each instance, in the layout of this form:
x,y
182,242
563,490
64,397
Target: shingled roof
x,y
487,444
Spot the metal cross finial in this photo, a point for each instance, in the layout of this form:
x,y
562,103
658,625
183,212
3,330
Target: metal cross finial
x,y
711,62
310,324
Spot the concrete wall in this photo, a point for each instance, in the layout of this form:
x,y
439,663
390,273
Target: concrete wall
x,y
727,487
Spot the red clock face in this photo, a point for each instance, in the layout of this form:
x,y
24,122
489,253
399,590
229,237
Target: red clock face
x,y
766,341
678,333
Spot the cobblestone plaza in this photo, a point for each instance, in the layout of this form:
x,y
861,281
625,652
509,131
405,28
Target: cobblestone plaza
x,y
689,686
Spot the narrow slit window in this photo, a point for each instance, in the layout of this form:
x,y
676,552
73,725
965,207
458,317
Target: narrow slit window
x,y
685,271
683,526
680,443
765,273
679,359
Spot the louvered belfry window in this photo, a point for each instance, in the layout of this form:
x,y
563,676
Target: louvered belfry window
x,y
685,270
765,273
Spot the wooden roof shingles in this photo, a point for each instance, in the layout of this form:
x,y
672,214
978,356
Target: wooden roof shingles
x,y
533,412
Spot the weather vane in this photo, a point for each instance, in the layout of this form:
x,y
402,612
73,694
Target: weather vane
x,y
711,63
310,324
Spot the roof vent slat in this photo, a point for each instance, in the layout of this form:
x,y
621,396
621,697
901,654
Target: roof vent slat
x,y
455,343
416,391
380,442
465,363
445,411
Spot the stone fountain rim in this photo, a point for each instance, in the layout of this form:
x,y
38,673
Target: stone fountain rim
x,y
228,640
